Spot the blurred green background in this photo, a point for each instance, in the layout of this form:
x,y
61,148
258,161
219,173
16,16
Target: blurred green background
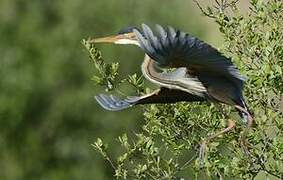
x,y
48,117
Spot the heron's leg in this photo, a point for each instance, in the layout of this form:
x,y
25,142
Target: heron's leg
x,y
231,125
243,135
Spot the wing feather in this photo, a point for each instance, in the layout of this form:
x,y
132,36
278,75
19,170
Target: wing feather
x,y
173,48
163,95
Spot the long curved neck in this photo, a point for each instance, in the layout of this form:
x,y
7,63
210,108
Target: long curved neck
x,y
151,72
178,79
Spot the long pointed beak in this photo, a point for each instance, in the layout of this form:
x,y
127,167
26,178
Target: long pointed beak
x,y
108,39
128,38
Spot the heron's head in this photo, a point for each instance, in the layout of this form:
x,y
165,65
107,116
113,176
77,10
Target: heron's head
x,y
124,36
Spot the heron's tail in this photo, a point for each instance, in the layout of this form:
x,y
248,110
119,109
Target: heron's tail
x,y
113,103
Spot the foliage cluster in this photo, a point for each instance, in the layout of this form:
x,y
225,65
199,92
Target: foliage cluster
x,y
168,145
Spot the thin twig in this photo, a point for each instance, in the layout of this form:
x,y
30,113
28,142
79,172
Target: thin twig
x,y
111,163
217,2
187,163
269,172
151,175
233,3
203,11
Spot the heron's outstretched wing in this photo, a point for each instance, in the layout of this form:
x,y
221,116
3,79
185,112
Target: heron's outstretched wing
x,y
162,95
173,48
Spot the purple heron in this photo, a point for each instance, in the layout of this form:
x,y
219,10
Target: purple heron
x,y
201,72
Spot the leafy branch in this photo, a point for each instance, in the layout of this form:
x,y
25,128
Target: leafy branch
x,y
218,9
107,75
166,146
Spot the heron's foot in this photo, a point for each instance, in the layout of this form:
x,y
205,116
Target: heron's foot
x,y
202,150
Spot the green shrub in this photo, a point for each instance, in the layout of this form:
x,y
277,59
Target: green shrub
x,y
167,147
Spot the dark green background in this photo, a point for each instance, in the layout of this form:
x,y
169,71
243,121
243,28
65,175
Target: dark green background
x,y
48,117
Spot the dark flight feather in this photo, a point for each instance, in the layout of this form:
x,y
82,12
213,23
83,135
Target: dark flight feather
x,y
173,48
162,95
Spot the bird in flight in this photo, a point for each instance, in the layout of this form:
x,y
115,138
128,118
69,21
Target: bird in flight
x,y
201,72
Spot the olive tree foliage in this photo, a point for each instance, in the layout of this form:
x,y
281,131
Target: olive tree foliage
x,y
167,147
